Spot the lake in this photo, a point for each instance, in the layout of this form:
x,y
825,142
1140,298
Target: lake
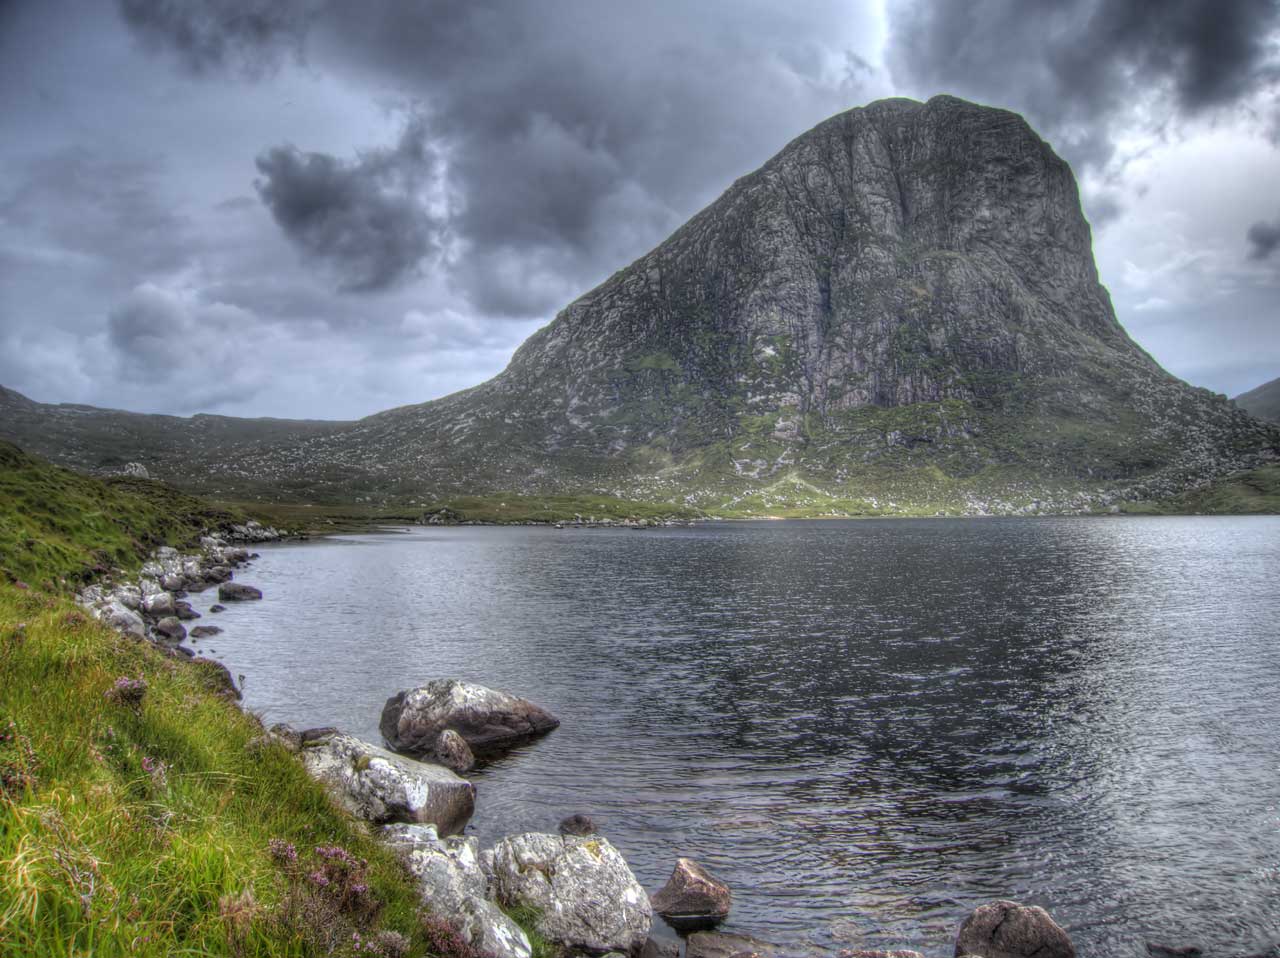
x,y
865,727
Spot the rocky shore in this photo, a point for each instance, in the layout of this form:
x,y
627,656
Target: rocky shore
x,y
571,890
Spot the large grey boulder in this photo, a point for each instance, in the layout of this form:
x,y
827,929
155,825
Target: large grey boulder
x,y
692,898
488,720
1006,929
382,787
159,605
453,886
170,629
585,896
125,620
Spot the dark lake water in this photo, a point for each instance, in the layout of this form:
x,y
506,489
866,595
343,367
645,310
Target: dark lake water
x,y
865,727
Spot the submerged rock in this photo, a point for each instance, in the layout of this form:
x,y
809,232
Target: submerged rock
x,y
488,720
238,592
585,896
1006,929
716,944
217,608
577,825
452,884
204,631
692,898
382,787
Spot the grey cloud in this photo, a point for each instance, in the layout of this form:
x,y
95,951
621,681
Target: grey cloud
x,y
575,134
1263,239
1076,67
107,209
252,36
368,219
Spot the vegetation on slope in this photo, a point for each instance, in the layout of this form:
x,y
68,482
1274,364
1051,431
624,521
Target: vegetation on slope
x,y
1256,492
56,524
153,827
141,811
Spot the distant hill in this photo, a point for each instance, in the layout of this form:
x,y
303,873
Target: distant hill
x,y
1263,402
900,311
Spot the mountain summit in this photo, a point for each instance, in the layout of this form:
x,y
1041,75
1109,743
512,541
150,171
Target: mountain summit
x,y
900,307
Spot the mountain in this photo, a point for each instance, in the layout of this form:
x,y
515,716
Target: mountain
x,y
899,310
1263,402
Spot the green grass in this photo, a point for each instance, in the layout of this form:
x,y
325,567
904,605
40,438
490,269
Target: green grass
x,y
101,854
56,524
1256,492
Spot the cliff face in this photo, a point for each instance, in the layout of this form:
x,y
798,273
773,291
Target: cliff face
x,y
902,303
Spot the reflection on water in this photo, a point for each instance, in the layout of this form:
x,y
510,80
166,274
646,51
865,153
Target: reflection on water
x,y
865,727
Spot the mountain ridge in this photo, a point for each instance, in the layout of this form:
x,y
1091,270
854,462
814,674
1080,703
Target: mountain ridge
x,y
1262,401
900,305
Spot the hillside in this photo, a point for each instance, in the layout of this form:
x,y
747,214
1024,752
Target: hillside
x,y
898,312
1263,402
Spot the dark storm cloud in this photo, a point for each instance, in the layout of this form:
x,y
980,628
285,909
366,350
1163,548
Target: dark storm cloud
x,y
575,134
1263,239
249,35
368,219
1075,67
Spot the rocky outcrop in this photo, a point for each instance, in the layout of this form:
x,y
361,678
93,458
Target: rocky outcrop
x,y
454,886
586,897
692,898
488,720
1006,929
381,787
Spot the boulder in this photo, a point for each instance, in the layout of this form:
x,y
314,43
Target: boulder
x,y
487,719
880,953
172,581
452,751
217,573
125,620
159,605
577,825
452,885
382,787
692,898
170,629
217,608
585,896
184,611
716,944
238,592
204,631
1006,929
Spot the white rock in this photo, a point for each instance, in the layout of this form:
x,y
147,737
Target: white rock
x,y
586,895
382,787
452,885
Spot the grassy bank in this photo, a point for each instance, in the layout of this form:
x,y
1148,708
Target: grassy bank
x,y
147,828
141,813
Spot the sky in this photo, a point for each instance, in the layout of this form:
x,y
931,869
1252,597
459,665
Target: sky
x,y
323,209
